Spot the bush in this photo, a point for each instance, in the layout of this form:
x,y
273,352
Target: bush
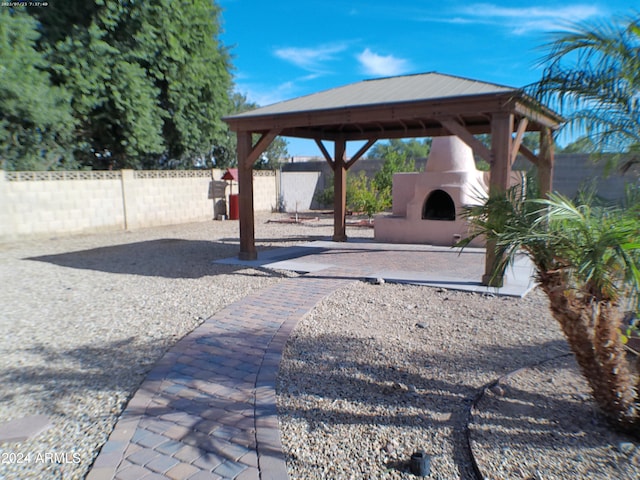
x,y
370,196
364,195
382,182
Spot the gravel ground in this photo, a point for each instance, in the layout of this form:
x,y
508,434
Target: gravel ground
x,y
84,318
378,372
540,423
372,374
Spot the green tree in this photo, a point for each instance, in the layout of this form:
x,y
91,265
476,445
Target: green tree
x,y
58,19
120,120
273,156
35,118
224,154
179,48
581,145
587,261
592,76
363,196
394,162
399,156
412,149
375,195
150,80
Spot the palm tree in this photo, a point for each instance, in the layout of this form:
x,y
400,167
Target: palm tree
x,y
587,261
592,77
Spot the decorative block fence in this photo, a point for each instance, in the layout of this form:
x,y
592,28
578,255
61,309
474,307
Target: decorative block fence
x,y
74,202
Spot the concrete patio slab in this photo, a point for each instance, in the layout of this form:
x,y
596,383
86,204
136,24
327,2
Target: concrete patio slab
x,y
461,270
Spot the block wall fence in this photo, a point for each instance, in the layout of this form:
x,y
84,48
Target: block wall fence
x,y
75,202
45,203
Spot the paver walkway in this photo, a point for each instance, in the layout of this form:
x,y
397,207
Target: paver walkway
x,y
208,409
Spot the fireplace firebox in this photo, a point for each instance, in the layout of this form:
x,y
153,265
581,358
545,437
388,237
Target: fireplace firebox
x,y
439,206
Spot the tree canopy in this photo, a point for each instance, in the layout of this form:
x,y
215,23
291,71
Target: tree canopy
x,y
224,153
412,149
35,117
146,82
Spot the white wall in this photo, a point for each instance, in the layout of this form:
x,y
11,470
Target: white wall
x,y
297,190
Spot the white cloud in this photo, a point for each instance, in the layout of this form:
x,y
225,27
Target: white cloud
x,y
264,95
382,65
527,19
311,59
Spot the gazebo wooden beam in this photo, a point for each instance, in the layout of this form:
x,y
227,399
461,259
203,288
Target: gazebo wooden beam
x,y
339,165
545,167
501,147
539,115
360,153
529,155
544,161
476,145
245,186
248,153
379,133
472,106
364,134
325,153
517,141
261,145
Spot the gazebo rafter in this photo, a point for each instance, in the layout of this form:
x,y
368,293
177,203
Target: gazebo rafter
x,y
423,105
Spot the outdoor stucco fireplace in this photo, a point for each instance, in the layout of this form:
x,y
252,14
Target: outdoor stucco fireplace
x,y
427,205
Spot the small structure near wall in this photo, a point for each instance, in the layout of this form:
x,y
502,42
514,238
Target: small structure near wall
x,y
427,205
217,193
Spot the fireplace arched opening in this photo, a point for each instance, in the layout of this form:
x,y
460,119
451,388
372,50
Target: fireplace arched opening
x,y
439,206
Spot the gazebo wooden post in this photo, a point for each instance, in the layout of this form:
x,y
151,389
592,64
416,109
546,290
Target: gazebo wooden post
x,y
501,143
245,187
545,165
340,192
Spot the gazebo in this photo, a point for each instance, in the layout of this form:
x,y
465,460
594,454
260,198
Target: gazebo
x,y
421,105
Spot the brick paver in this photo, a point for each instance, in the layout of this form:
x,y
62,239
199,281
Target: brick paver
x,y
208,409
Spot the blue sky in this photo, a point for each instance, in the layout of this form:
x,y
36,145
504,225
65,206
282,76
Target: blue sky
x,y
283,49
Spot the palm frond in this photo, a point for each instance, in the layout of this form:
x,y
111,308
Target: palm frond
x,y
595,246
592,76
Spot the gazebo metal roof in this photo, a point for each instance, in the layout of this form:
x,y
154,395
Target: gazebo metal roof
x,y
393,107
421,105
407,88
